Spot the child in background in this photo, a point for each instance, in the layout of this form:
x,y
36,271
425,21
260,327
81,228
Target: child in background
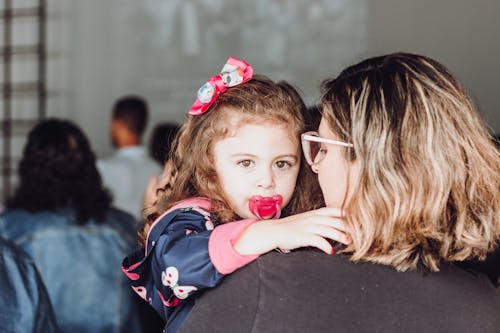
x,y
237,158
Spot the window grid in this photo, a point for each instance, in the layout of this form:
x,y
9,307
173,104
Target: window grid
x,y
23,79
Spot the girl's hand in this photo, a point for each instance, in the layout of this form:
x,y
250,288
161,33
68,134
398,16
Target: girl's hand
x,y
312,228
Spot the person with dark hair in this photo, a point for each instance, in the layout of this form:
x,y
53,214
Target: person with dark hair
x,y
127,172
60,215
160,145
130,112
161,141
24,303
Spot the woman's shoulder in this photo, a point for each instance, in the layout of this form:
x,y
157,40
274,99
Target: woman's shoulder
x,y
450,278
352,296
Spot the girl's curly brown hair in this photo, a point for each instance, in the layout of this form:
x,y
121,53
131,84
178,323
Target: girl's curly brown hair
x,y
260,100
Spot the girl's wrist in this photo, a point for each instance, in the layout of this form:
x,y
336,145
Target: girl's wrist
x,y
257,239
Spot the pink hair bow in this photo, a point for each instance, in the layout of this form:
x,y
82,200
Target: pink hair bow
x,y
234,72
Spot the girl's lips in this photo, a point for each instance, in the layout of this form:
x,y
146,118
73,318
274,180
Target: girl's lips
x,y
265,207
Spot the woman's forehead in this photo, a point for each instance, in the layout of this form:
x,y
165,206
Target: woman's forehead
x,y
324,128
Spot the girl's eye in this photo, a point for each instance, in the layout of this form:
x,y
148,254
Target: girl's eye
x,y
246,163
283,164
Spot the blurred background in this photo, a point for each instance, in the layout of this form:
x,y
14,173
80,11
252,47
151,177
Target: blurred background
x,y
74,58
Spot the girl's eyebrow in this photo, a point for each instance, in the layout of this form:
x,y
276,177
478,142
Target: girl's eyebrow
x,y
243,154
294,156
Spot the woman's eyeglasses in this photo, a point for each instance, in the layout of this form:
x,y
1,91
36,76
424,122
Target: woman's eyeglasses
x,y
312,143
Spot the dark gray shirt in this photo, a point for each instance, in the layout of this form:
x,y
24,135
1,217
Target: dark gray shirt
x,y
308,291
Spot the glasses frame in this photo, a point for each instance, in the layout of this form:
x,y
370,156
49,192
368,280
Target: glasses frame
x,y
314,136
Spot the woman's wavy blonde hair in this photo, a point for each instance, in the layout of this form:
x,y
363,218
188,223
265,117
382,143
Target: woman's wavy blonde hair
x,y
261,101
429,184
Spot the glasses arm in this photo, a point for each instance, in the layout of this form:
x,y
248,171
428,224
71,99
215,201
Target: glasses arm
x,y
308,137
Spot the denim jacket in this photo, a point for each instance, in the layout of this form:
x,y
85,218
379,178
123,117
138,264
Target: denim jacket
x,y
24,302
80,266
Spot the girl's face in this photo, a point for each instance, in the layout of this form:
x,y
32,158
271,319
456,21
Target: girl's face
x,y
334,171
257,159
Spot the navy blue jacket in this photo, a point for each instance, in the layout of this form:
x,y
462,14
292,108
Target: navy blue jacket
x,y
176,266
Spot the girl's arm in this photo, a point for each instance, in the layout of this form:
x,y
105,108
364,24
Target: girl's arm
x,y
176,263
182,248
312,228
184,256
205,255
221,246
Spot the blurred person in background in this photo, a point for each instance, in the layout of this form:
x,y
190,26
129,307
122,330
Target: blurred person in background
x,y
24,302
162,137
160,144
126,173
61,216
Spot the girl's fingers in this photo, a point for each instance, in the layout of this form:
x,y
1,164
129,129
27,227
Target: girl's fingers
x,y
328,221
334,234
321,244
318,236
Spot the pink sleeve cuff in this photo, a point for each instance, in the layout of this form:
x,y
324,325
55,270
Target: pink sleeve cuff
x,y
220,247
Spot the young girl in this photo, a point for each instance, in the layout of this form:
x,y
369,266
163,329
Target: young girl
x,y
237,158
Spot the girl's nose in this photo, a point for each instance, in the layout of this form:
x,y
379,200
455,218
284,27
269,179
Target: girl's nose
x,y
266,179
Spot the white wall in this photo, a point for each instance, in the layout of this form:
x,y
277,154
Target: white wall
x,y
464,35
165,49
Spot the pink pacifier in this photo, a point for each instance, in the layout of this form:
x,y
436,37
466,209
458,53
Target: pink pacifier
x,y
266,207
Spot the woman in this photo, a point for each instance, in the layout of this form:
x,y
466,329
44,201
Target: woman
x,y
61,216
403,152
